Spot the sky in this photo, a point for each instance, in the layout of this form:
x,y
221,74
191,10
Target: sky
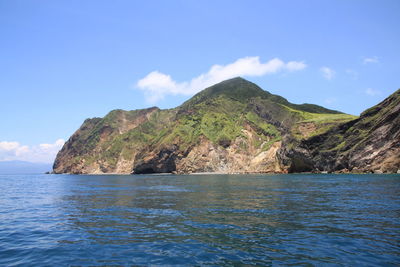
x,y
64,61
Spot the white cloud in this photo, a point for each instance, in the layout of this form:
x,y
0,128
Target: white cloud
x,y
372,92
368,60
330,100
8,146
157,84
39,153
47,147
295,65
328,73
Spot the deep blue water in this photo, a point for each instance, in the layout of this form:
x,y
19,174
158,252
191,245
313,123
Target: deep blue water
x,y
332,220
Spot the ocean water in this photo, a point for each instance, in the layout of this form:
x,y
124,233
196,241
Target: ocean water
x,y
114,220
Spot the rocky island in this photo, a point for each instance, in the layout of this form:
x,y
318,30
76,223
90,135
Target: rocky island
x,y
236,127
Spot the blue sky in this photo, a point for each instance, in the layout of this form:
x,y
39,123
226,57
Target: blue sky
x,y
64,61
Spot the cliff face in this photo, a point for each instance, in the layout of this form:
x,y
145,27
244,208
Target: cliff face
x,y
104,145
370,143
231,127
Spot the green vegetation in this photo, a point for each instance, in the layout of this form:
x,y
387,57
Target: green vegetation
x,y
318,123
265,128
242,90
234,110
320,117
327,118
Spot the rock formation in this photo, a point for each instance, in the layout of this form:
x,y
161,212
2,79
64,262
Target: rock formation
x,y
235,127
370,143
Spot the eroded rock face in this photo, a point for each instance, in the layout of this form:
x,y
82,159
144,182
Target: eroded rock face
x,y
208,157
370,143
87,149
164,161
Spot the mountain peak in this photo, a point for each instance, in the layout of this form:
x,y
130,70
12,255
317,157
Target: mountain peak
x,y
242,90
236,88
235,80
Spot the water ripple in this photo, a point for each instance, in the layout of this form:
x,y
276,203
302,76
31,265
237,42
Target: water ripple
x,y
333,220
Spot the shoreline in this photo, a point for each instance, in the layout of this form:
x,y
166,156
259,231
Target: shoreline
x,y
227,173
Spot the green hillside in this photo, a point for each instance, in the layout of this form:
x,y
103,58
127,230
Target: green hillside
x,y
234,115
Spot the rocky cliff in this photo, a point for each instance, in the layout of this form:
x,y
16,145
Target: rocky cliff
x,y
370,143
231,127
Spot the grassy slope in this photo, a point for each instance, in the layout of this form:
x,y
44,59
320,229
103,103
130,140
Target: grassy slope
x,y
321,121
355,133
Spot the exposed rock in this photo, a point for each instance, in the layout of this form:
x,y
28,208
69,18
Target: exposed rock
x,y
87,150
370,143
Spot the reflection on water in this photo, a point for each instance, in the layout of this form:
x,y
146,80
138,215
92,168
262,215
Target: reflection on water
x,y
200,219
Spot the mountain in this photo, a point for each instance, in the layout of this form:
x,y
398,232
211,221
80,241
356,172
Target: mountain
x,y
23,167
370,143
231,127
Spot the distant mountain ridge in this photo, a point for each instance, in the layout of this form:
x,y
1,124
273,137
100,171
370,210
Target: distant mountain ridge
x,y
24,167
231,127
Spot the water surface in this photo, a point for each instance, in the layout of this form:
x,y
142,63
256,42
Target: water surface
x,y
331,220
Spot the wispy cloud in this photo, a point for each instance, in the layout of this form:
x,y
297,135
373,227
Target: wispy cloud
x,y
330,100
39,153
157,84
372,92
327,73
368,60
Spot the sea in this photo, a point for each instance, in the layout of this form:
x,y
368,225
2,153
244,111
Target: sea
x,y
200,220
